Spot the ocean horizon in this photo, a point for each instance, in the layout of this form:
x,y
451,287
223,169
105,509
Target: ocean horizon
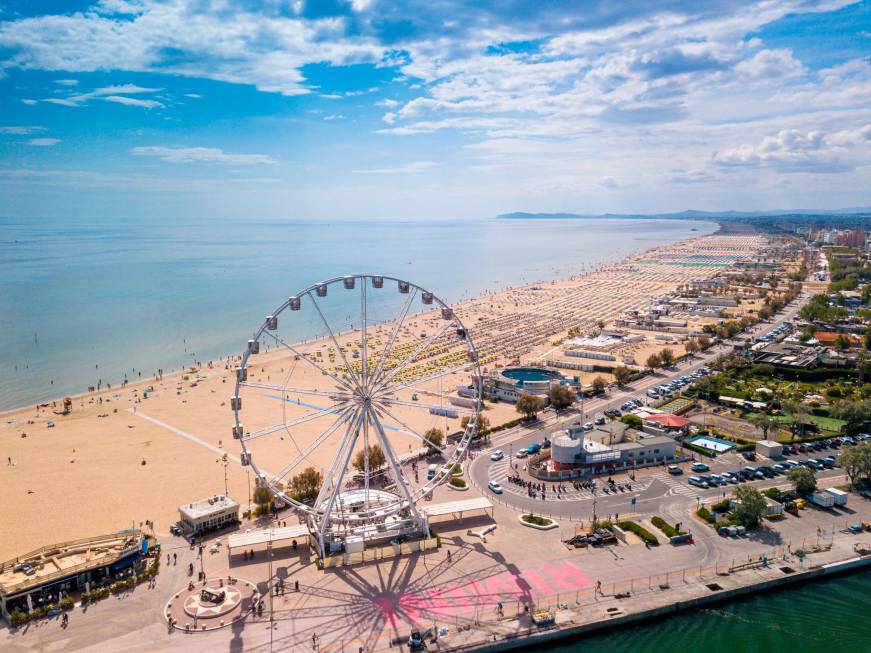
x,y
88,300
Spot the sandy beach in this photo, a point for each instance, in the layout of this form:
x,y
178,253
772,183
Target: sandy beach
x,y
120,458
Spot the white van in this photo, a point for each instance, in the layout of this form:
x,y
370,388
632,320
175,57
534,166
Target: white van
x,y
431,471
652,393
695,480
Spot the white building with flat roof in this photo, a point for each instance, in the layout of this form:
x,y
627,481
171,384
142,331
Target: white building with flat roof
x,y
208,515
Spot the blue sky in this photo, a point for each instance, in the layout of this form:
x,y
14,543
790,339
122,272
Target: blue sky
x,y
376,108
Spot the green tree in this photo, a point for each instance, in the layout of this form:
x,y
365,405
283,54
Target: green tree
x,y
598,385
633,421
750,506
762,421
622,375
528,405
798,414
435,437
666,356
562,396
803,479
857,414
856,461
306,484
654,361
842,342
376,458
868,332
482,425
262,497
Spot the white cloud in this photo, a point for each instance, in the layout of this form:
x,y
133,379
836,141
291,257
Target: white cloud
x,y
791,150
768,64
133,102
43,142
408,168
29,102
67,82
334,116
21,130
201,155
195,96
387,103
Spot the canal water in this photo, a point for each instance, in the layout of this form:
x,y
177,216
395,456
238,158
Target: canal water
x,y
826,616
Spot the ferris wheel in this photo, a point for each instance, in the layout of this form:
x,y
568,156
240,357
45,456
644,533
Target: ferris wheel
x,y
380,369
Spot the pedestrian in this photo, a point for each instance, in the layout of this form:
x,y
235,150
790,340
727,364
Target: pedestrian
x,y
174,558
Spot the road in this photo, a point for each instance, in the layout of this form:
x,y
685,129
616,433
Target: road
x,y
653,490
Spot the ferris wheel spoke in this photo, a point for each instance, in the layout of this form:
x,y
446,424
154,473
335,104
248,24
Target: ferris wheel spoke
x,y
364,363
417,404
337,489
332,410
347,436
407,429
281,341
391,459
345,416
415,383
396,327
422,347
326,324
286,389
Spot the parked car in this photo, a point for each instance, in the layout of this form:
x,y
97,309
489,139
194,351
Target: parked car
x,y
600,420
674,470
748,455
699,467
534,448
497,455
521,453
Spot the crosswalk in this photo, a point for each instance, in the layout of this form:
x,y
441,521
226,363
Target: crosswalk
x,y
675,486
501,469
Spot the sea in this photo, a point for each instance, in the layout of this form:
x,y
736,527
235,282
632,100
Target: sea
x,y
825,616
88,300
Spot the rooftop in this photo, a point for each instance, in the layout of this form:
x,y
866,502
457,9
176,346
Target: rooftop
x,y
208,506
57,561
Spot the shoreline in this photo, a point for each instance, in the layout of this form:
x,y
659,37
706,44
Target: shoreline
x,y
142,382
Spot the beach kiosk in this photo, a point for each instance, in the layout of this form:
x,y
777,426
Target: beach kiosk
x,y
208,515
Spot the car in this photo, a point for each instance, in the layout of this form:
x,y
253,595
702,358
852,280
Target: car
x,y
699,467
815,464
600,420
791,463
674,470
818,446
787,450
767,471
826,462
495,488
588,426
799,447
698,482
730,477
534,448
521,453
716,479
780,469
497,455
748,455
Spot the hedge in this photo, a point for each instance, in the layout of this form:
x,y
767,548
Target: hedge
x,y
16,617
697,449
456,481
705,514
640,531
667,529
721,506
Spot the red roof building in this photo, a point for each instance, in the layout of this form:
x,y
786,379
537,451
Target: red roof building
x,y
668,422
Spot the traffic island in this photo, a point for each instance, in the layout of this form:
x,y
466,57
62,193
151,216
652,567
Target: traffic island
x,y
538,523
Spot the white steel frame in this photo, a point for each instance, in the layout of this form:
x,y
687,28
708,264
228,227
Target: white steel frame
x,y
359,403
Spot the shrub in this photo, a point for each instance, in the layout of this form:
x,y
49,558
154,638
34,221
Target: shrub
x,y
774,494
535,519
456,481
38,613
67,603
705,514
16,618
667,529
601,523
721,506
640,531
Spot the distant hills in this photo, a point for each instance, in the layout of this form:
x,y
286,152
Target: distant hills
x,y
859,212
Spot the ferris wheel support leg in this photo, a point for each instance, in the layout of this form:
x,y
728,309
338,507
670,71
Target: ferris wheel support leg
x,y
394,466
334,493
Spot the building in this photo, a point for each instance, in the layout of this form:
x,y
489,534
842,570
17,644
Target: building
x,y
511,383
770,449
44,576
666,424
576,452
789,355
208,515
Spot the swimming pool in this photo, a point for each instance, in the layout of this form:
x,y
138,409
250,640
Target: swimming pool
x,y
712,444
530,374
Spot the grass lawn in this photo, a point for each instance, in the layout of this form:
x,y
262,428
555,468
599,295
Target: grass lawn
x,y
825,423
